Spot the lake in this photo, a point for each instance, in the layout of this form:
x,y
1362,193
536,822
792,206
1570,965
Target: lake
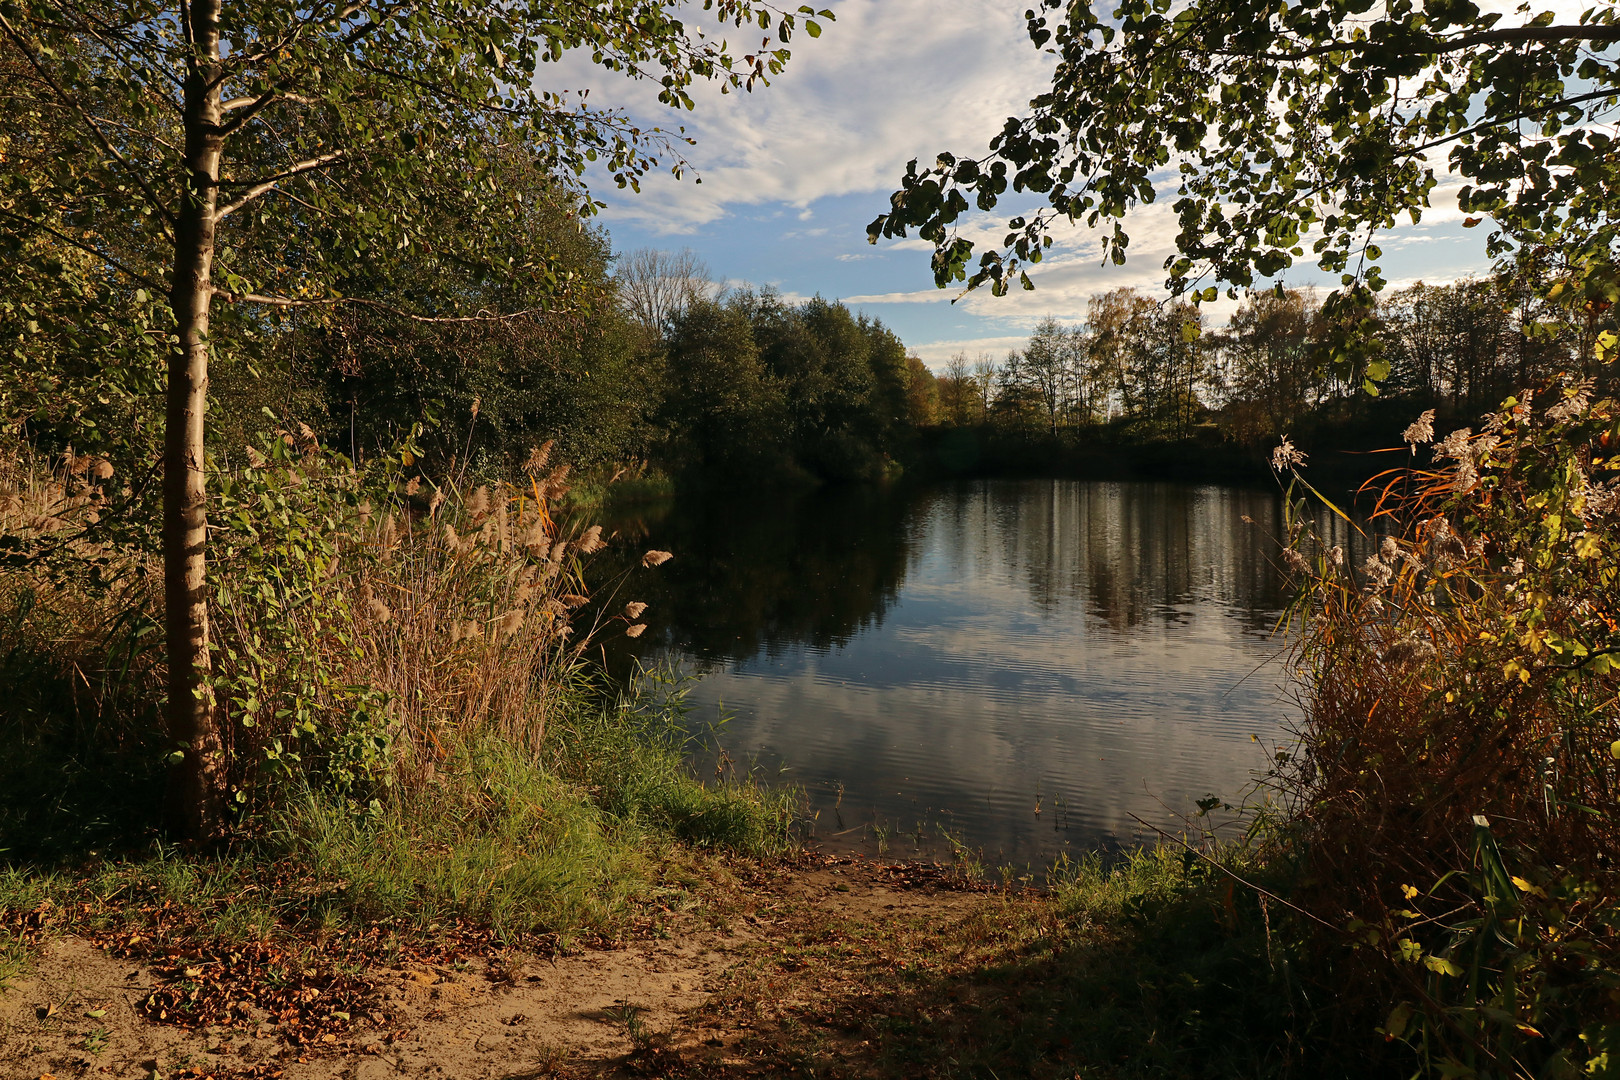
x,y
1026,666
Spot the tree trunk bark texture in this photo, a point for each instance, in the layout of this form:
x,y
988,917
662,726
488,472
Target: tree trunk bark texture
x,y
197,788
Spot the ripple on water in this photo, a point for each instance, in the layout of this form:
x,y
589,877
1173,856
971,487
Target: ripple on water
x,y
971,652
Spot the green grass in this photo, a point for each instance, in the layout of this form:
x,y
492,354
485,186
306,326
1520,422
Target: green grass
x,y
492,839
631,759
13,959
564,845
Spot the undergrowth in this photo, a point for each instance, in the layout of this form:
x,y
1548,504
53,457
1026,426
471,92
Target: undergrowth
x,y
413,736
564,847
1454,798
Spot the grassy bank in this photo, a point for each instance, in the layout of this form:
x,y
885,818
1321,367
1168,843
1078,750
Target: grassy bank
x,y
414,737
574,844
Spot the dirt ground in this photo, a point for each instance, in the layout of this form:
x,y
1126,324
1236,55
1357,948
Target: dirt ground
x,y
795,953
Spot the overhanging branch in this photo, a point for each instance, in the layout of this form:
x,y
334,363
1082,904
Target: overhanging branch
x,y
336,301
1605,34
1527,114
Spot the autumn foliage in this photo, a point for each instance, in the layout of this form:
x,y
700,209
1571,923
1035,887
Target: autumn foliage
x,y
1456,793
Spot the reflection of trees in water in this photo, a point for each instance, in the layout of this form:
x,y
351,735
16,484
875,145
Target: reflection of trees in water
x,y
1129,552
769,572
766,573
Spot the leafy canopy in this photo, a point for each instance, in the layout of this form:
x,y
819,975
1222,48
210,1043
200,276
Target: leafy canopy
x,y
344,121
1284,123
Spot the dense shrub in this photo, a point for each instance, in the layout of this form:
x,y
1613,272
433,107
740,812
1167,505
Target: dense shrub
x,y
1455,797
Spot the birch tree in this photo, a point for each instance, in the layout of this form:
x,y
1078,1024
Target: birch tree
x,y
252,152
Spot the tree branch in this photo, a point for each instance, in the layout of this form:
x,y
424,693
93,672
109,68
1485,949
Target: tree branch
x,y
151,283
1514,35
1477,128
290,302
264,99
71,102
261,186
256,105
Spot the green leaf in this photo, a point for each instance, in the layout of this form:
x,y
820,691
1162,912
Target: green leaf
x,y
1441,966
1399,1017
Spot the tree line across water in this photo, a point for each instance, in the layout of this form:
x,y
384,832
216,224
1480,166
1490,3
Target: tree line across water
x,y
654,364
1135,371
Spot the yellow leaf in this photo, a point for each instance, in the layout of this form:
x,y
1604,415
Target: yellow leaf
x,y
1525,887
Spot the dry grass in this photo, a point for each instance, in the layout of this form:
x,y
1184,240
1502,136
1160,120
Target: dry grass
x,y
396,612
367,627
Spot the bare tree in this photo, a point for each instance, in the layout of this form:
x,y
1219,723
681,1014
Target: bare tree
x,y
985,370
656,286
958,394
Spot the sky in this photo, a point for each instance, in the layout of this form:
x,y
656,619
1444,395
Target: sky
x,y
792,174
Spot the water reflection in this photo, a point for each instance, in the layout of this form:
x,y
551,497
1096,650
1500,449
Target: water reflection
x,y
1028,662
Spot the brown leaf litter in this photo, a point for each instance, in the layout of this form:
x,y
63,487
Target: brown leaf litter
x,y
702,995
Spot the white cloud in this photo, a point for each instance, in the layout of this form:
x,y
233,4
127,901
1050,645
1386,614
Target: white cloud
x,y
936,353
889,80
918,296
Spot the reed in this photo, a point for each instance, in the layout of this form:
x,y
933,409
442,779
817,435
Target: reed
x,y
398,666
1454,804
372,624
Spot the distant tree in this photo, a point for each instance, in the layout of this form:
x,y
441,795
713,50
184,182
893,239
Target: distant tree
x,y
958,393
1017,406
1268,352
922,394
1119,335
1045,370
893,377
985,375
1458,343
1085,396
655,286
1150,355
721,403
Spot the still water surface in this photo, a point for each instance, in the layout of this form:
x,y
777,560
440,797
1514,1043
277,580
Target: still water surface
x,y
963,656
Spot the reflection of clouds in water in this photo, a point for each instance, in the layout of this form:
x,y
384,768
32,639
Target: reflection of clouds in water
x,y
982,737
1089,642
